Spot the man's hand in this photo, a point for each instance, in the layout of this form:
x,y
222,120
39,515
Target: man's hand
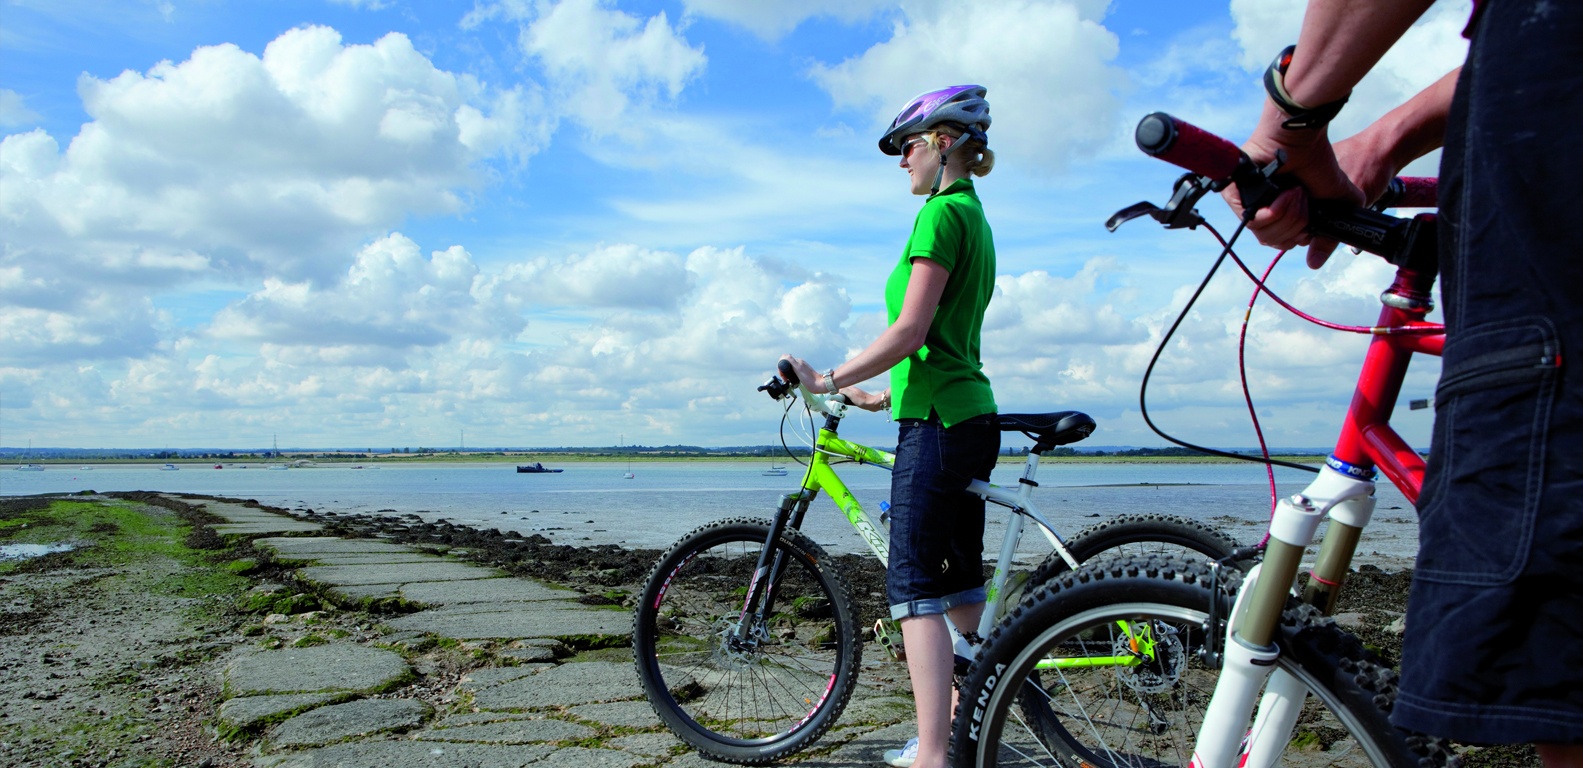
x,y
1311,159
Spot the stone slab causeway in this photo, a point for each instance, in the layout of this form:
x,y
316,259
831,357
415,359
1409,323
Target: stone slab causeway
x,y
305,546
334,667
383,558
621,714
411,754
489,677
866,749
245,712
649,744
510,732
242,520
368,591
564,686
434,570
354,718
492,591
541,620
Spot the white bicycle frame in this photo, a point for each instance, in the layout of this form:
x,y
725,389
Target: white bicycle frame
x,y
1019,502
1223,742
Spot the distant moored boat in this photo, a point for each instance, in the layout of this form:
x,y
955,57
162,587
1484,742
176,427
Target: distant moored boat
x,y
534,469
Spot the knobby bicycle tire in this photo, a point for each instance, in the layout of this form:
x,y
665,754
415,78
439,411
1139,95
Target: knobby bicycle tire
x,y
1142,535
1113,715
755,701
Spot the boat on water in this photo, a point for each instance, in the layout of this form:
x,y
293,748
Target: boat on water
x,y
277,466
535,469
29,467
219,466
775,470
169,468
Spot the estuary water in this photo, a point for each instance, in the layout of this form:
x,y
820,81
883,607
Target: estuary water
x,y
592,503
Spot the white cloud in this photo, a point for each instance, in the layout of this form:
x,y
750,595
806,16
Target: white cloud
x,y
771,19
602,65
263,164
1432,47
1053,91
13,110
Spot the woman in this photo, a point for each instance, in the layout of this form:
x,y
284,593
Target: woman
x,y
935,299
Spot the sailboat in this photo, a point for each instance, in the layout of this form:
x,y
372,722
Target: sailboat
x,y
628,475
775,470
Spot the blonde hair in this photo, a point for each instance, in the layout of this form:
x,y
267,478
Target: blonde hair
x,y
980,159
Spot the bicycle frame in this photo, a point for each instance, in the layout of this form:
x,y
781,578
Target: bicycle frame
x,y
821,476
1344,491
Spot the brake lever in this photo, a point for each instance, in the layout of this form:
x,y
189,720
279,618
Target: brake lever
x,y
776,388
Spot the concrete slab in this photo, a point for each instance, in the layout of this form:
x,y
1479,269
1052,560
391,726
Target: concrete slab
x,y
564,686
486,678
435,570
329,545
621,714
582,757
323,668
368,591
354,718
250,520
493,591
542,620
411,754
538,731
246,712
385,558
649,744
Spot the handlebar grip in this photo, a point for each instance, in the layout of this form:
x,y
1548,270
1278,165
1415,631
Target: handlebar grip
x,y
1188,146
1411,192
787,372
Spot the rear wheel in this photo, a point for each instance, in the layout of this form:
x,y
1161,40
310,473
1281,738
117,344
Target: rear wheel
x,y
1101,702
741,687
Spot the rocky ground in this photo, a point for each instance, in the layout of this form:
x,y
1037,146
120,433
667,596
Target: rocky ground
x,y
110,654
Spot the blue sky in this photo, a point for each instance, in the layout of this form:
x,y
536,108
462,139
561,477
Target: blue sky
x,y
365,223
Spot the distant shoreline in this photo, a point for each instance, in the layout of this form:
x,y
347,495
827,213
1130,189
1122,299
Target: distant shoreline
x,y
322,460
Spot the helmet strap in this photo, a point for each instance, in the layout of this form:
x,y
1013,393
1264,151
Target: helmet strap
x,y
939,175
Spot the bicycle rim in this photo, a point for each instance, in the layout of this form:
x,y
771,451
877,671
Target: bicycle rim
x,y
1144,713
751,699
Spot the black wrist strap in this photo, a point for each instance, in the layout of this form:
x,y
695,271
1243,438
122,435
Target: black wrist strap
x,y
1299,117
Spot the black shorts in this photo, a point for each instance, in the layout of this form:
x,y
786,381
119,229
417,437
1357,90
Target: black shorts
x,y
1494,644
936,526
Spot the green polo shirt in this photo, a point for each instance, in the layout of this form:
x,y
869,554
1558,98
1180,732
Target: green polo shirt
x,y
946,375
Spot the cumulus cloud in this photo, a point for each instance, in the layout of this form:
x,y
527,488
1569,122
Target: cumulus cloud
x,y
771,19
271,163
1054,91
602,65
13,110
1432,47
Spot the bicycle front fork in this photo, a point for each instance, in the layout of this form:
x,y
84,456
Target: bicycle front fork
x,y
1224,740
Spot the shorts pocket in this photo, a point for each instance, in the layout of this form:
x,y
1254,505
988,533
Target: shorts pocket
x,y
1486,460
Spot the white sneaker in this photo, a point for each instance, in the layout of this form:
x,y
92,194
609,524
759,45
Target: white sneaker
x,y
904,757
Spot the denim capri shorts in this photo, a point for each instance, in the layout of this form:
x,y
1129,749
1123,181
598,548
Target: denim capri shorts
x,y
936,526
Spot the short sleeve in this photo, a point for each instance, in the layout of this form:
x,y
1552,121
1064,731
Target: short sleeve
x,y
937,234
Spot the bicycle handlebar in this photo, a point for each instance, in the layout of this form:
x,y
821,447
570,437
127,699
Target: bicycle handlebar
x,y
1185,145
1222,163
834,404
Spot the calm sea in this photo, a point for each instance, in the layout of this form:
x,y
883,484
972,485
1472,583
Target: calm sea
x,y
592,503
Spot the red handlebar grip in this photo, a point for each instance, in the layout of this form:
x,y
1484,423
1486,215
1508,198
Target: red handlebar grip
x,y
1418,192
1188,146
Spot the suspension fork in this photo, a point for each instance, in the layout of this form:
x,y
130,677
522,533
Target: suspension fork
x,y
765,584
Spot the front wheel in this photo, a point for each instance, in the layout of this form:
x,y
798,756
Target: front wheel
x,y
745,686
1111,653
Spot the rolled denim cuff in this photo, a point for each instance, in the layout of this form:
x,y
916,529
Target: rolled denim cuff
x,y
935,606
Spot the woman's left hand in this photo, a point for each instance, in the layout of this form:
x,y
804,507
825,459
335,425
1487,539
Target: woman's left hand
x,y
812,380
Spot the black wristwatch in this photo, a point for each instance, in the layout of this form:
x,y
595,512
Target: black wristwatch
x,y
1299,117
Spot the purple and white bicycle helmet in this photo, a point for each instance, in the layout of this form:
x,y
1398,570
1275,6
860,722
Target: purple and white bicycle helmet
x,y
962,105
